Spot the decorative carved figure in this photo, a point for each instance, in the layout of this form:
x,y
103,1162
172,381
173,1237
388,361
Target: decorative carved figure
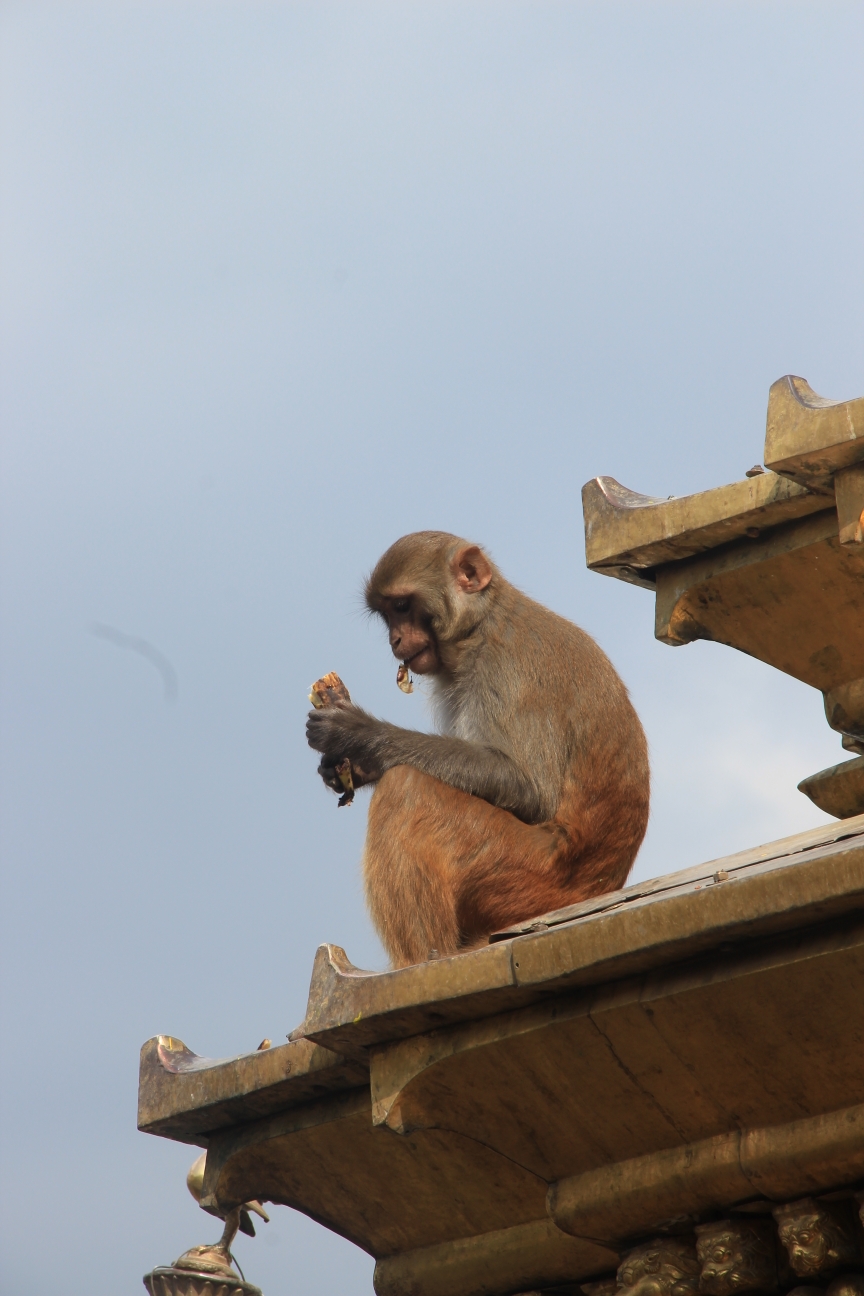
x,y
849,1284
736,1256
207,1270
663,1267
818,1236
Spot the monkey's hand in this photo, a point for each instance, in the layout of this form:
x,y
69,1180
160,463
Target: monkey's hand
x,y
331,778
340,731
374,746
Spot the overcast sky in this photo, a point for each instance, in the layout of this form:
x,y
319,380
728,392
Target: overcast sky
x,y
281,282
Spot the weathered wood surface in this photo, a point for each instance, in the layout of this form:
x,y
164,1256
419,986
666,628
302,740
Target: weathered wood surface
x,y
793,597
849,495
601,939
809,438
185,1097
509,1260
784,850
780,1162
352,1008
809,442
624,529
599,1077
505,1120
772,565
839,790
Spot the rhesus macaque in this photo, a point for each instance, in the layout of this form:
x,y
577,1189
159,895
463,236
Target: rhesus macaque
x,y
535,793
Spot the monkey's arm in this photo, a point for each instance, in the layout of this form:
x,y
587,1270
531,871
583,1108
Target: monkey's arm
x,y
374,746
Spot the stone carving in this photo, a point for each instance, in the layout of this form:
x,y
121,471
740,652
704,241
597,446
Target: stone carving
x,y
736,1256
662,1267
819,1236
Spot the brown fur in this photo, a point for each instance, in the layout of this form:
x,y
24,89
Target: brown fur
x,y
536,794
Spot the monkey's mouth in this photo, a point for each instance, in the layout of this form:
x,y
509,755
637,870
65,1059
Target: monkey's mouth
x,y
415,663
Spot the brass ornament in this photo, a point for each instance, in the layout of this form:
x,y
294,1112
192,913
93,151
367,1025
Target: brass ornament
x,y
208,1270
195,1184
176,1282
848,1284
736,1256
662,1267
819,1236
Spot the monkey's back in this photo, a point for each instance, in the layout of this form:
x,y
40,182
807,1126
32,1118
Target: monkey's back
x,y
572,726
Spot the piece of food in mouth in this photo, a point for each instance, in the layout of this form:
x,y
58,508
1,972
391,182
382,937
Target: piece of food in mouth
x,y
346,778
403,679
328,691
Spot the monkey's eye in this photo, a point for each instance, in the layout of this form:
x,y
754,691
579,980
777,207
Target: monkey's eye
x,y
401,605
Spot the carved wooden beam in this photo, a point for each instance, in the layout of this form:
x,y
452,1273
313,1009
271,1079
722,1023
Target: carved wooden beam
x,y
772,565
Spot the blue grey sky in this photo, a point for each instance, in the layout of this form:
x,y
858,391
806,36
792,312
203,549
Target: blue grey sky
x,y
281,282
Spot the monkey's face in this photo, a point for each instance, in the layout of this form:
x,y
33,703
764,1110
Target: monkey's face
x,y
412,639
425,588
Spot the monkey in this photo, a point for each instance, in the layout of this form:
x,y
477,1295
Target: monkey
x,y
534,793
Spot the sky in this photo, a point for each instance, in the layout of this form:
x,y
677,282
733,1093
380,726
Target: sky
x,y
280,283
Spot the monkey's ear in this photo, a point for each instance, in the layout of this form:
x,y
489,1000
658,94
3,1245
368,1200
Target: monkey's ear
x,y
472,569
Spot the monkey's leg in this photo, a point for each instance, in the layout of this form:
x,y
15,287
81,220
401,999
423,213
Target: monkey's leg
x,y
443,869
409,889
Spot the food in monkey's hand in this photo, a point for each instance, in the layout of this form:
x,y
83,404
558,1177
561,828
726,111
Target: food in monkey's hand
x,y
328,691
403,679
